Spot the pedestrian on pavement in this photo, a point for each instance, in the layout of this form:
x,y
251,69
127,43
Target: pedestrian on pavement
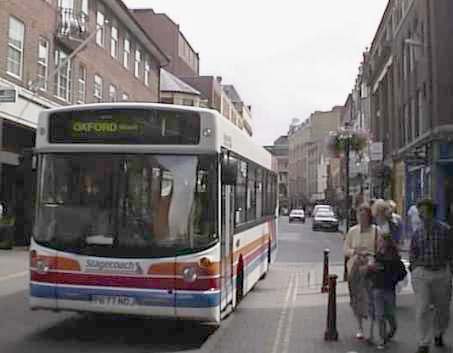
x,y
386,271
360,244
386,223
431,254
414,220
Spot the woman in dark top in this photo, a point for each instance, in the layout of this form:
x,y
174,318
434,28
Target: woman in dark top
x,y
385,273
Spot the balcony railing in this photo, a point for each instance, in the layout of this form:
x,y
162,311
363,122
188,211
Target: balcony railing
x,y
72,24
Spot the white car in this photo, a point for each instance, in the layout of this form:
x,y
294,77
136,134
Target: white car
x,y
325,220
326,208
296,215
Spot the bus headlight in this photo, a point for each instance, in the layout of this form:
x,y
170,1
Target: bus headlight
x,y
190,275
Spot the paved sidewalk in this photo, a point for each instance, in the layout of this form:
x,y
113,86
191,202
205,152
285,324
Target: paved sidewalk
x,y
310,325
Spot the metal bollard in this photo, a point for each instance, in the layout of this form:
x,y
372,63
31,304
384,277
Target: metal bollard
x,y
325,275
331,333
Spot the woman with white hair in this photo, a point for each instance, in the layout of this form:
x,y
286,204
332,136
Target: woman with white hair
x,y
387,223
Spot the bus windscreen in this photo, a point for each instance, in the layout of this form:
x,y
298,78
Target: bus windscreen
x,y
125,126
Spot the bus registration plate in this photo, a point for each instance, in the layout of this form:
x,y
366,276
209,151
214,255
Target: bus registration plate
x,y
112,300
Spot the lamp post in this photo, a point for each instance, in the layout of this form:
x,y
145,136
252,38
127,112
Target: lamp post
x,y
348,205
346,135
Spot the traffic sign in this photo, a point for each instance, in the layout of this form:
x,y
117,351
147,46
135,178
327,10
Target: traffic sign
x,y
7,95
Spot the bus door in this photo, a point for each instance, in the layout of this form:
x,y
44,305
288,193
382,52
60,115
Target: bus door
x,y
227,245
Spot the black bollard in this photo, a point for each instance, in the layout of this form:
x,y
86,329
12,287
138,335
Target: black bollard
x,y
331,333
325,275
345,272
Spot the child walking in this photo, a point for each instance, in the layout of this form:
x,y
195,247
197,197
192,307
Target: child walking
x,y
386,271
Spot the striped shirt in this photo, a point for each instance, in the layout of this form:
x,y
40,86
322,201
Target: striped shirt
x,y
432,248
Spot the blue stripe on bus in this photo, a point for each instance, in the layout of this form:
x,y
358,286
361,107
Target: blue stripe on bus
x,y
256,262
186,300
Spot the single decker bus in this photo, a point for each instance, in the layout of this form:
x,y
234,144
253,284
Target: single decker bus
x,y
150,210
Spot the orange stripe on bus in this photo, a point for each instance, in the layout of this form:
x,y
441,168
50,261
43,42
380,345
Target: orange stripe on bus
x,y
56,263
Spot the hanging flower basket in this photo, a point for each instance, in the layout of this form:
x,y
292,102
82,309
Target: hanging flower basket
x,y
337,142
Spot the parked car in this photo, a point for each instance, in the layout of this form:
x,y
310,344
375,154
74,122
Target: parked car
x,y
325,220
317,208
296,215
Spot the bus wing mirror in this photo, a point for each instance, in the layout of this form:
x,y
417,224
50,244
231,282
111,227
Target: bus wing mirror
x,y
229,173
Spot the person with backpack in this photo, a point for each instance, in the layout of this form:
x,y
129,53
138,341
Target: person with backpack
x,y
384,274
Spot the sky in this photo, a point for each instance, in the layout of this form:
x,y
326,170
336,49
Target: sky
x,y
287,58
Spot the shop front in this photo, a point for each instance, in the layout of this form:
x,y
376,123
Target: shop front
x,y
398,187
18,122
444,182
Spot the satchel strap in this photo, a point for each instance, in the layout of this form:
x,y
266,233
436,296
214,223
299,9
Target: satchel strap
x,y
375,239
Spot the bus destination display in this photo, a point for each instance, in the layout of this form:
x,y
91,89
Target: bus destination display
x,y
125,126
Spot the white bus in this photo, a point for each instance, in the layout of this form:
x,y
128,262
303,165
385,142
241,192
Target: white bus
x,y
149,209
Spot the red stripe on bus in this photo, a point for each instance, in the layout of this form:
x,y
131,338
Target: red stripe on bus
x,y
124,281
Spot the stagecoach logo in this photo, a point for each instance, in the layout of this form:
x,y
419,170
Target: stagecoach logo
x,y
116,267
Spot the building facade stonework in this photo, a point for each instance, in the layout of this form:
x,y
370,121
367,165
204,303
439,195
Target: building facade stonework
x,y
411,81
307,154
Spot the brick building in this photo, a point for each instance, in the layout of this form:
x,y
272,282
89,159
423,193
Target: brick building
x,y
75,51
185,61
411,81
185,66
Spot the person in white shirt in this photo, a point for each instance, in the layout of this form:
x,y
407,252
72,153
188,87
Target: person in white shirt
x,y
414,220
359,247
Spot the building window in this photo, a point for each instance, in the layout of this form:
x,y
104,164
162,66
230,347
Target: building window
x,y
125,97
126,52
63,76
100,34
147,71
98,88
406,124
112,93
84,7
186,101
43,63
414,118
138,59
15,47
421,112
81,93
114,42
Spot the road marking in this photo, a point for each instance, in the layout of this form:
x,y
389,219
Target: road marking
x,y
292,306
282,319
14,275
